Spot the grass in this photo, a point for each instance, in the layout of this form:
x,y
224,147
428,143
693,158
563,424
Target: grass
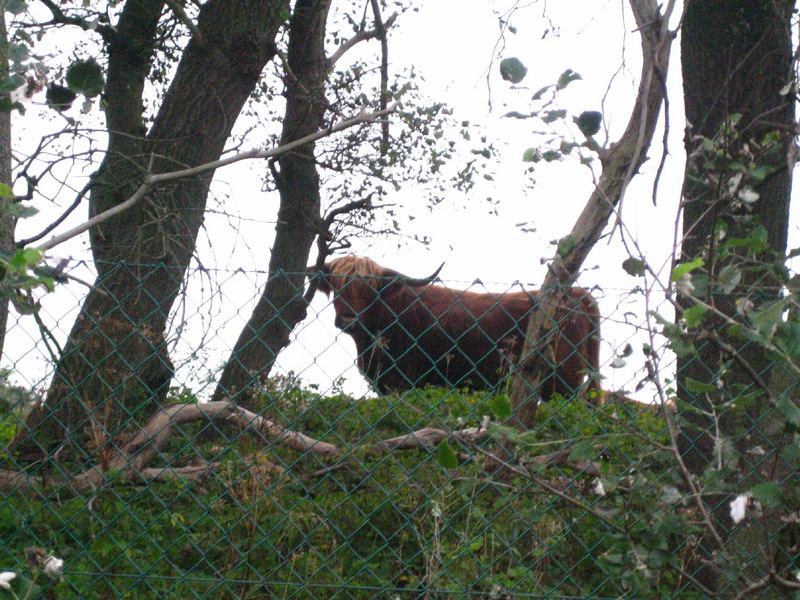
x,y
385,526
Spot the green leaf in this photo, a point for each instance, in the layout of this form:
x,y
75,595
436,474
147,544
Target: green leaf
x,y
85,77
553,115
476,544
47,282
612,558
729,278
540,92
512,69
11,83
6,191
551,155
583,450
670,495
446,456
680,344
791,455
687,267
16,7
699,387
18,53
765,320
589,122
693,315
769,494
59,97
566,78
633,266
22,259
787,338
501,407
531,155
566,245
566,147
21,211
24,306
790,410
761,172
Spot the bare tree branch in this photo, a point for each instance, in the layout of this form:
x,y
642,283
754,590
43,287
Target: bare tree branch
x,y
358,38
154,179
620,162
380,28
184,18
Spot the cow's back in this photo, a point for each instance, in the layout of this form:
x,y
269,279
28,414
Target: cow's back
x,y
443,337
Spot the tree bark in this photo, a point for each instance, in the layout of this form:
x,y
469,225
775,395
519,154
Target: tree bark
x,y
282,305
7,222
115,369
620,162
740,69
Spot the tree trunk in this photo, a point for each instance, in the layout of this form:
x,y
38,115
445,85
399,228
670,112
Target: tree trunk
x,y
115,368
7,222
282,305
740,69
620,162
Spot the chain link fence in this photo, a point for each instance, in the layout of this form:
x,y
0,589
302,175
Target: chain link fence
x,y
318,484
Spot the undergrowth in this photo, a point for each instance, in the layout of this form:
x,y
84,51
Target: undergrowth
x,y
275,523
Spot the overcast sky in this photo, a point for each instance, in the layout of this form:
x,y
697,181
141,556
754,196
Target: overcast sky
x,y
453,45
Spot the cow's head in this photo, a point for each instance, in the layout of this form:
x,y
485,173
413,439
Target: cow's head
x,y
357,283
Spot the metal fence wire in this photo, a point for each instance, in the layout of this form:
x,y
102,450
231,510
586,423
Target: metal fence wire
x,y
376,457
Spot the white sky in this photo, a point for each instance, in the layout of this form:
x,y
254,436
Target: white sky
x,y
452,44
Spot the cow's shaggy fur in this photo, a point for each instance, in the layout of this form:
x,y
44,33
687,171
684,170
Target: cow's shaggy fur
x,y
410,333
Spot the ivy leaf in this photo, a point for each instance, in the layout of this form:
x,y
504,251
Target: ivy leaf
x,y
512,69
729,278
699,387
86,77
446,456
686,268
693,315
766,319
787,337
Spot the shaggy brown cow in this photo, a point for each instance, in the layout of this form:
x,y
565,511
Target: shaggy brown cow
x,y
410,333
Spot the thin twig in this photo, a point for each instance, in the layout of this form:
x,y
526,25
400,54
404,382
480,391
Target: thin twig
x,y
152,180
184,18
357,38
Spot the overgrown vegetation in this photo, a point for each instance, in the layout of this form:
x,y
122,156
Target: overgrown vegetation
x,y
270,521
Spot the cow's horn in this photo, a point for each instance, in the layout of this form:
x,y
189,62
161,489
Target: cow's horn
x,y
423,281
